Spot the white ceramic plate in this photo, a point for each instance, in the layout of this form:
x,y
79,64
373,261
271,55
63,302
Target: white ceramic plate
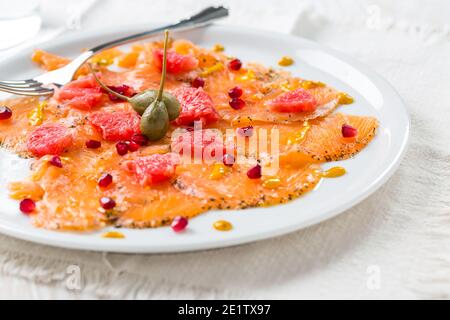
x,y
366,172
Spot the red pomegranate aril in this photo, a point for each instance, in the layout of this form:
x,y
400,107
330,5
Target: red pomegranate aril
x,y
56,162
140,139
122,89
198,82
349,131
5,113
228,160
246,131
27,206
235,92
107,203
235,64
255,172
122,148
93,144
179,224
133,146
105,180
237,103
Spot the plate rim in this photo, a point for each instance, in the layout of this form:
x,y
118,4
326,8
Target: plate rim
x,y
45,237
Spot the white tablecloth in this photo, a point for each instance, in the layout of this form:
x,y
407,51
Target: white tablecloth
x,y
392,245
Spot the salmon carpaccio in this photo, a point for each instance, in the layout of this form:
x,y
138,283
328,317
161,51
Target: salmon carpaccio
x,y
68,198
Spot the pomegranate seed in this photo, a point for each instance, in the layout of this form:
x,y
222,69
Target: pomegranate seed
x,y
122,148
228,160
140,139
122,89
27,206
235,92
255,172
235,64
5,113
237,103
56,161
198,82
107,203
133,146
179,224
93,144
105,180
245,131
349,131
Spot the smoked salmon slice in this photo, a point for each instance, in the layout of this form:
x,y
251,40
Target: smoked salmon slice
x,y
148,187
193,192
324,142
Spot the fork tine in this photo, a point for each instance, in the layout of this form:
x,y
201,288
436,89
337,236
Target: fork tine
x,y
18,81
24,89
30,84
28,91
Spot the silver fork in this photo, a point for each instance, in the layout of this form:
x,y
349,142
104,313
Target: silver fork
x,y
41,85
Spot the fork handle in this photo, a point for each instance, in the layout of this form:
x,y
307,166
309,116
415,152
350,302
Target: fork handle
x,y
202,18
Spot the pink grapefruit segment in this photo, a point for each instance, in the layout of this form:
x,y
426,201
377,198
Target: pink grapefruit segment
x,y
49,139
196,105
176,63
298,100
153,169
83,94
115,126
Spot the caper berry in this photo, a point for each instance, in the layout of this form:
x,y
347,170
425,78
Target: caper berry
x,y
156,107
139,102
172,104
143,100
155,121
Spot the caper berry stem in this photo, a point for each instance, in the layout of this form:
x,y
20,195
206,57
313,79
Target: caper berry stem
x,y
164,66
121,96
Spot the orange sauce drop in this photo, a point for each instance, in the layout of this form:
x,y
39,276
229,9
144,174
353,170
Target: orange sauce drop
x,y
286,61
113,235
218,47
345,98
271,182
300,135
222,225
334,172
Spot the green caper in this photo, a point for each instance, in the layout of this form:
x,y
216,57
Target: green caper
x,y
172,105
139,102
156,107
142,100
155,121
